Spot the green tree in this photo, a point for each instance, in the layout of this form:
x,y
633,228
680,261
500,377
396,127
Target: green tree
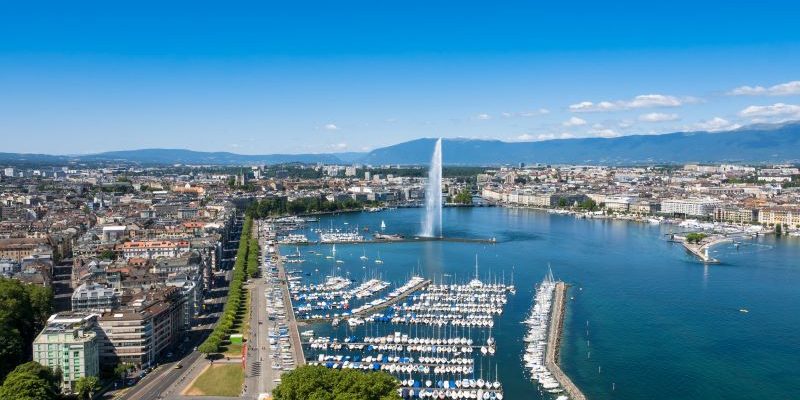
x,y
30,381
107,254
562,202
316,382
589,205
121,370
87,386
23,311
464,197
778,229
41,299
209,347
695,237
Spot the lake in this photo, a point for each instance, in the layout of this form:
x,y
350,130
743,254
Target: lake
x,y
647,320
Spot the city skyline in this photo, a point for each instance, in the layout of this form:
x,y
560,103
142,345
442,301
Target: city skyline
x,y
356,77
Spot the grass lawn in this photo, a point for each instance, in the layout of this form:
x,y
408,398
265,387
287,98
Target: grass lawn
x,y
233,350
219,380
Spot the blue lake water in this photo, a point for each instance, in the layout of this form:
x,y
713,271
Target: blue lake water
x,y
647,321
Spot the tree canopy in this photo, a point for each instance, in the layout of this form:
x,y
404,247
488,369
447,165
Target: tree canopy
x,y
87,386
24,310
305,205
320,383
695,237
31,381
463,197
237,296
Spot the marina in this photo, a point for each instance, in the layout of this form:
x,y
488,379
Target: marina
x,y
524,256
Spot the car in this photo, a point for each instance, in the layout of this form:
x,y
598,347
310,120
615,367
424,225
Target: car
x,y
195,348
178,366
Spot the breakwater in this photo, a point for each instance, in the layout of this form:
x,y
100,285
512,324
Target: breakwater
x,y
554,342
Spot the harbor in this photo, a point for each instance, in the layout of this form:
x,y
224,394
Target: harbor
x,y
444,353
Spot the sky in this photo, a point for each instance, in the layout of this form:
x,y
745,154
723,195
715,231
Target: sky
x,y
334,76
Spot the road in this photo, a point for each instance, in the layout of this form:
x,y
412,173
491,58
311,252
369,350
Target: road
x,y
166,381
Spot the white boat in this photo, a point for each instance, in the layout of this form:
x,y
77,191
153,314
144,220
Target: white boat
x,y
378,259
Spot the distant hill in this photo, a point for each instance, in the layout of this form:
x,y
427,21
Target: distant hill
x,y
181,156
755,143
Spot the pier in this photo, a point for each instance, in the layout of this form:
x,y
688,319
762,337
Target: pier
x,y
701,251
554,342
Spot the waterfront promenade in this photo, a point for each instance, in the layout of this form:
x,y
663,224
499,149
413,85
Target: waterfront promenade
x,y
291,322
554,342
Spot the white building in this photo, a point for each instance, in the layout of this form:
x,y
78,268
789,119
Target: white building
x,y
692,207
69,343
94,297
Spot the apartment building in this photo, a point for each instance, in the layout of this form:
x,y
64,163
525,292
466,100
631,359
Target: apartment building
x,y
689,207
94,297
140,331
786,216
153,249
69,343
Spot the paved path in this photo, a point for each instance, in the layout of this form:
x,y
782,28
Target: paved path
x,y
294,332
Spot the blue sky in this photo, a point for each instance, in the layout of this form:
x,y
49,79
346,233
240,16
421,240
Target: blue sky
x,y
270,77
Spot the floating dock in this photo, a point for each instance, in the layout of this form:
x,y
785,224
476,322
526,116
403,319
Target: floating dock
x,y
398,298
373,309
554,342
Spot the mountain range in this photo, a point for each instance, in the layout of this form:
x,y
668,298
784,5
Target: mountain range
x,y
754,144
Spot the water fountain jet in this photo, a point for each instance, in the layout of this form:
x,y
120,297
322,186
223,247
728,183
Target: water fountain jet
x,y
432,224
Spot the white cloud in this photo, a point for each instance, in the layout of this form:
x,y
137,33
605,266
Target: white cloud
x,y
331,127
775,110
483,117
588,106
716,124
527,137
507,114
574,121
641,101
625,123
782,89
534,113
657,117
599,131
339,146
